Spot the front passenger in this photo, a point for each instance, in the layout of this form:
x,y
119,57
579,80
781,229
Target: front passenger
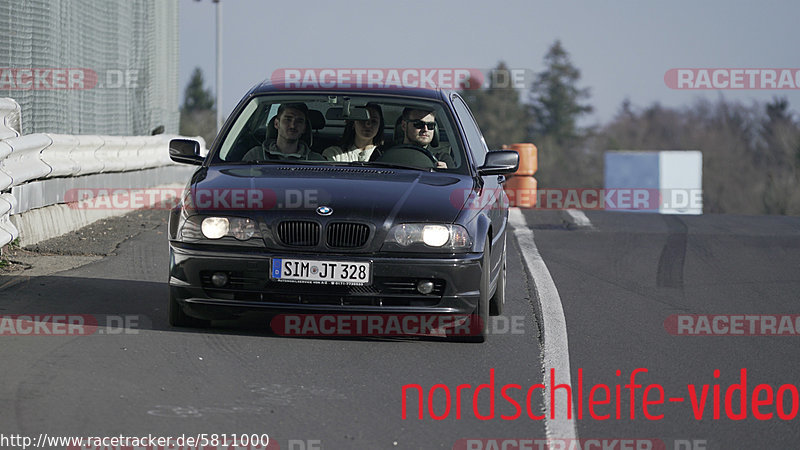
x,y
291,122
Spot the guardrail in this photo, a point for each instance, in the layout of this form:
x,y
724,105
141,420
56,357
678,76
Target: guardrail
x,y
10,118
37,169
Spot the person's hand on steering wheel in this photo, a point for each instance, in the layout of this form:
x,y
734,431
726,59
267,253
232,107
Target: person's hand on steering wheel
x,y
400,154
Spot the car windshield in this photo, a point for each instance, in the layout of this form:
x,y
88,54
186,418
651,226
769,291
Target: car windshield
x,y
358,130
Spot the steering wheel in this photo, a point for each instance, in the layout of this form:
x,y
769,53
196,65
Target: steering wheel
x,y
421,157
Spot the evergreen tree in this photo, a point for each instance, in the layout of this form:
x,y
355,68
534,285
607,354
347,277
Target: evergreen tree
x,y
196,97
555,99
198,115
498,110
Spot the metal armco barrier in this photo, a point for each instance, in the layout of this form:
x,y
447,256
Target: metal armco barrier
x,y
10,118
28,163
8,232
521,186
24,163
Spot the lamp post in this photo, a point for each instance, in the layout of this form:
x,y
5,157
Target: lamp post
x,y
219,65
218,100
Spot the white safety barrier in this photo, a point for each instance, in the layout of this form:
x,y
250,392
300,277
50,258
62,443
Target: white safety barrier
x,y
10,118
58,155
36,169
24,163
85,153
8,232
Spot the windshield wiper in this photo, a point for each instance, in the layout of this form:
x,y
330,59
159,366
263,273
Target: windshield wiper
x,y
385,164
251,162
325,163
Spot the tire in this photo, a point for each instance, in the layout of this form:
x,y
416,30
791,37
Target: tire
x,y
498,300
178,318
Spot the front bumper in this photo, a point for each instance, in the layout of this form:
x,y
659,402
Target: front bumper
x,y
456,280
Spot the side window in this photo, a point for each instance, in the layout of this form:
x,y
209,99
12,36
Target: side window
x,y
475,141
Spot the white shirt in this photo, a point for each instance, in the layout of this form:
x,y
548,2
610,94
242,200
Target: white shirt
x,y
335,153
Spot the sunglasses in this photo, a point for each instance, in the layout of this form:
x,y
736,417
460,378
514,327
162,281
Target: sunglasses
x,y
419,124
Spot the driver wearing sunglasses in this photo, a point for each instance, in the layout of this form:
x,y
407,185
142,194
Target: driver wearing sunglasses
x,y
418,127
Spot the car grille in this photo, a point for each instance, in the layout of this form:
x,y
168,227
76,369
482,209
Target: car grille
x,y
347,235
298,233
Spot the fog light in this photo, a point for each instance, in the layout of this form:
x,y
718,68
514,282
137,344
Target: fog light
x,y
425,287
219,279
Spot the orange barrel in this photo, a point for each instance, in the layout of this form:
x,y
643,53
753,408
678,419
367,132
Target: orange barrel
x,y
528,162
521,191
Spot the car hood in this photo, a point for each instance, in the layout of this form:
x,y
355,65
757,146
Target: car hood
x,y
376,195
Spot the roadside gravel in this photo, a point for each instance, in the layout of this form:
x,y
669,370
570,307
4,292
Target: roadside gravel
x,y
76,248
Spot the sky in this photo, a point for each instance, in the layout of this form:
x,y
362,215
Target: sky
x,y
623,48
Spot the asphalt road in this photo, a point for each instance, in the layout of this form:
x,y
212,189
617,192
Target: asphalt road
x,y
619,282
135,375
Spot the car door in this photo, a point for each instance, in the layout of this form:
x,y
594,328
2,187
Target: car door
x,y
492,194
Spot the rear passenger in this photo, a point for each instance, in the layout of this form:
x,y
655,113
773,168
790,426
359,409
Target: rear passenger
x,y
361,140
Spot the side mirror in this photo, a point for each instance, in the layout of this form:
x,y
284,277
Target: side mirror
x,y
499,162
186,151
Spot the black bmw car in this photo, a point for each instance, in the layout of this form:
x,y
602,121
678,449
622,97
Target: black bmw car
x,y
291,214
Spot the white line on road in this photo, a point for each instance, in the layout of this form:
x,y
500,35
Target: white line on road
x,y
579,218
556,348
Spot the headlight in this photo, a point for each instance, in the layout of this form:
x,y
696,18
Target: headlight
x,y
451,237
435,235
215,227
242,229
198,228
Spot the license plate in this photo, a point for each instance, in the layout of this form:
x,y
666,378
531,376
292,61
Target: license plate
x,y
321,272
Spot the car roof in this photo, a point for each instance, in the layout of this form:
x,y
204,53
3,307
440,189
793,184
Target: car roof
x,y
270,85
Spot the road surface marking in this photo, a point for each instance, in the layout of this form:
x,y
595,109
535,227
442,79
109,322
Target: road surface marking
x,y
579,218
555,348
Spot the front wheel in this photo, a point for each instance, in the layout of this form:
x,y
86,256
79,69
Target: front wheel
x,y
499,297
